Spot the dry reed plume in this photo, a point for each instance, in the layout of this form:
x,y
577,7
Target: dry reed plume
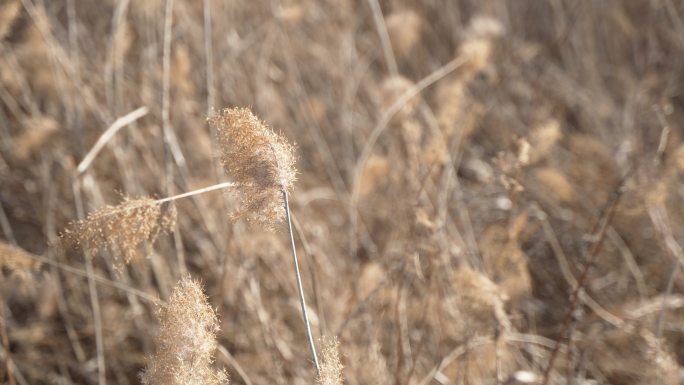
x,y
331,367
122,228
260,161
186,342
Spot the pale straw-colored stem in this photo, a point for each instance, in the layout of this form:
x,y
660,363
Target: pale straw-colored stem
x,y
298,277
203,190
386,44
109,134
196,192
92,291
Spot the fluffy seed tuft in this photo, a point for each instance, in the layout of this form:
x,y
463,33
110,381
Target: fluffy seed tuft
x,y
186,340
260,161
122,228
331,367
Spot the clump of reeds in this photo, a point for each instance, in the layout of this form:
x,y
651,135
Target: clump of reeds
x,y
260,162
186,340
122,228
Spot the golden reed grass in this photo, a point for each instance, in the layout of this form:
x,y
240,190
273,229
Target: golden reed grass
x,y
122,228
186,342
260,162
331,367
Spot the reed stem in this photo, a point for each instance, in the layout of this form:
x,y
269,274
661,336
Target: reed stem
x,y
298,277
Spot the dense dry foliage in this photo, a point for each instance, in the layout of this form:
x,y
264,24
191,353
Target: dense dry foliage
x,y
464,167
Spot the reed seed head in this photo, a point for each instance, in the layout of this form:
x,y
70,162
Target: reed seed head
x,y
122,228
186,340
331,367
259,160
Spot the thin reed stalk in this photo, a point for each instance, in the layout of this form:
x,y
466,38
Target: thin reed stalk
x,y
262,163
298,277
92,291
203,190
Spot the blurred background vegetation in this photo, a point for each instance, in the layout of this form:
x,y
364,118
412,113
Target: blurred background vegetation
x,y
454,157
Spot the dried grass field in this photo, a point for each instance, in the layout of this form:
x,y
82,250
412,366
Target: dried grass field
x,y
479,192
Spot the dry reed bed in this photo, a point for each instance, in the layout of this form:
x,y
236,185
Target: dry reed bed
x,y
454,161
